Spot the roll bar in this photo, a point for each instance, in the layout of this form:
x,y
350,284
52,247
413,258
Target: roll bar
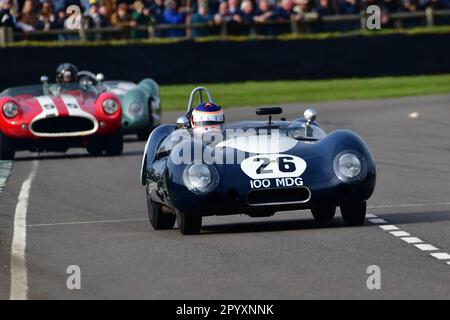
x,y
200,91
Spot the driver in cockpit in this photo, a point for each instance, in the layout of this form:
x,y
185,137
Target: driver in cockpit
x,y
66,73
207,115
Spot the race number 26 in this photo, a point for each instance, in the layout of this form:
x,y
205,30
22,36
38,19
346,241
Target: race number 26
x,y
273,166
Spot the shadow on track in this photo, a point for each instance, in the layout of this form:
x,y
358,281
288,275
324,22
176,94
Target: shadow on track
x,y
289,225
269,226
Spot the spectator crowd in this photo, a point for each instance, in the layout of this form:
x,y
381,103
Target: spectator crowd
x,y
30,15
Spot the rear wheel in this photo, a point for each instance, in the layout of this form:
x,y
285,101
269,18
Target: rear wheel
x,y
7,149
354,213
188,224
323,212
159,219
114,144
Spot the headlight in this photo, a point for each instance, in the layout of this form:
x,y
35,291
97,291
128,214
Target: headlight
x,y
10,110
200,178
110,106
136,108
349,166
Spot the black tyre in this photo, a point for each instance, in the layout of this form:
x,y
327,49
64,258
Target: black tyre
x,y
354,213
7,149
114,144
143,134
323,212
95,148
159,219
188,224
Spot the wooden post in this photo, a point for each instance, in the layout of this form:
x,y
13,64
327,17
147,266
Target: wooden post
x,y
6,36
294,25
363,20
430,16
151,31
223,29
2,36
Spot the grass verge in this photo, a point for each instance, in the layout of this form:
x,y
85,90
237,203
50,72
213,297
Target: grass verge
x,y
255,93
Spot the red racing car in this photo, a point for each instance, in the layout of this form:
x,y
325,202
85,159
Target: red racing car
x,y
55,117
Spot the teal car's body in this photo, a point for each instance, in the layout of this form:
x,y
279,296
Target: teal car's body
x,y
141,106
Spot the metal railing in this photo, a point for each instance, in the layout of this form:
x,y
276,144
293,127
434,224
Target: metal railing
x,y
297,24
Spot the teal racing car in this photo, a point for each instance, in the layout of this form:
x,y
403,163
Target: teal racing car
x,y
141,105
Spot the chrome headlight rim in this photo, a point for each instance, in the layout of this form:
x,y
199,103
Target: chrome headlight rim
x,y
140,109
344,178
110,106
10,109
200,190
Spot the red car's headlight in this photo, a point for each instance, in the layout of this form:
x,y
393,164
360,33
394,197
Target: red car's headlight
x,y
10,110
110,106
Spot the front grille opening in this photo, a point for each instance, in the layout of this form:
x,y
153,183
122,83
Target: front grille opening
x,y
63,125
278,196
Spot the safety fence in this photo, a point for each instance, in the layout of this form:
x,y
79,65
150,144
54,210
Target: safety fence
x,y
298,24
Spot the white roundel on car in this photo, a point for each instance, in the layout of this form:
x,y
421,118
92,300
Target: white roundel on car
x,y
267,166
260,144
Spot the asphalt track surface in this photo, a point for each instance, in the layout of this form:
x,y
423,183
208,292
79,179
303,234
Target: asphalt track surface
x,y
91,212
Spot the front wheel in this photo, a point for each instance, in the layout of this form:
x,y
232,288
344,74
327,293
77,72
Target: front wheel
x,y
354,213
159,219
114,144
7,149
323,212
94,148
188,224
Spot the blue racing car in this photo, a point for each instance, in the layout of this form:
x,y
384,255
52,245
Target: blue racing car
x,y
203,166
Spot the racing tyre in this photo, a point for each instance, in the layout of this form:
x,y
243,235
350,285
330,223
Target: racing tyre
x,y
354,213
143,134
188,224
114,144
323,212
159,219
7,150
94,148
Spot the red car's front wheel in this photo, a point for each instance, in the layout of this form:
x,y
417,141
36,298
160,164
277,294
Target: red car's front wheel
x,y
7,149
112,145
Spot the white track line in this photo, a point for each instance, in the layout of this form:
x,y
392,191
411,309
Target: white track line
x,y
389,227
413,115
441,255
411,240
405,236
400,234
425,247
19,280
